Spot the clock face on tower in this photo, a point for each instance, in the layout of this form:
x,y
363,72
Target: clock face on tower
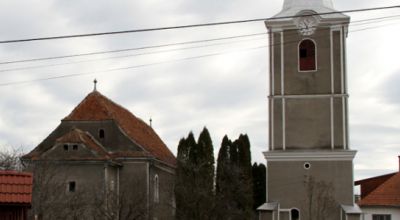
x,y
307,25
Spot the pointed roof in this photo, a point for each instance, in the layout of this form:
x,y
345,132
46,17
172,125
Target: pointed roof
x,y
386,194
97,107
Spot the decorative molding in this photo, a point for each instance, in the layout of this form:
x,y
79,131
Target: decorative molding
x,y
345,155
309,96
332,91
307,25
283,92
272,83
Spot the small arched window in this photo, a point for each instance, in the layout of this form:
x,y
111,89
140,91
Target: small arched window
x,y
156,189
101,133
307,56
294,214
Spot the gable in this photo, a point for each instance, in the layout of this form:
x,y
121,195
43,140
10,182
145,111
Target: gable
x,y
76,145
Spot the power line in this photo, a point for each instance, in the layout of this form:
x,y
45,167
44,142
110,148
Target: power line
x,y
125,56
150,64
359,22
191,26
373,20
165,51
132,49
125,68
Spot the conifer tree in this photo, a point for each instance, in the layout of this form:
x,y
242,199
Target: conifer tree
x,y
234,179
223,165
181,178
259,184
195,177
224,187
244,178
206,175
191,179
207,160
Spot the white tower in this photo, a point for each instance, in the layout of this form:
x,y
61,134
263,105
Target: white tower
x,y
309,162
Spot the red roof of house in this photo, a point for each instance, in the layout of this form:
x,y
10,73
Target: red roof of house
x,y
370,184
387,193
15,187
96,107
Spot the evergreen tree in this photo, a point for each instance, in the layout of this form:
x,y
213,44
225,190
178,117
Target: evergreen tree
x,y
223,166
206,175
181,178
234,179
207,160
196,197
259,185
244,182
191,178
224,187
195,178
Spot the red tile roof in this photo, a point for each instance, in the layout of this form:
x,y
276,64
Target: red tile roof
x,y
15,187
370,184
96,107
386,194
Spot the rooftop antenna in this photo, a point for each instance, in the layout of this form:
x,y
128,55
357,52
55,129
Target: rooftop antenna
x,y
95,85
151,120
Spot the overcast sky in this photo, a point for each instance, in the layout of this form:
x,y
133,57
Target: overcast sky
x,y
225,92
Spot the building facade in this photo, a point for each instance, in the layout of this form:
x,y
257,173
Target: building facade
x,y
309,160
102,162
380,197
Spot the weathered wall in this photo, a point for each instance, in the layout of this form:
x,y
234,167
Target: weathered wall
x,y
289,184
51,196
305,123
165,207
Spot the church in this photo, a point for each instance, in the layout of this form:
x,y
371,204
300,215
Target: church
x,y
102,162
309,160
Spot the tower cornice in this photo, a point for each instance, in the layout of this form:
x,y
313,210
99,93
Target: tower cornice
x,y
312,155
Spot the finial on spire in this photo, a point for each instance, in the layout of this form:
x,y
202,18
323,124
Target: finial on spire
x,y
151,120
95,85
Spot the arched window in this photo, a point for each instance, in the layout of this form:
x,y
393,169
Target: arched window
x,y
307,55
294,214
101,133
156,189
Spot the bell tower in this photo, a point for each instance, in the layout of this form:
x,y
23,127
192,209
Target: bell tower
x,y
309,161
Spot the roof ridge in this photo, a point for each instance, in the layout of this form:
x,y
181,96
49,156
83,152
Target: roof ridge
x,y
358,182
97,142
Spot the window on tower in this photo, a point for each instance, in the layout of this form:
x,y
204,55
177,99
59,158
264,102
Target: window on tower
x,y
307,58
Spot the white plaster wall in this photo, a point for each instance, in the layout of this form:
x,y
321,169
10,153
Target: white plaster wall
x,y
369,211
